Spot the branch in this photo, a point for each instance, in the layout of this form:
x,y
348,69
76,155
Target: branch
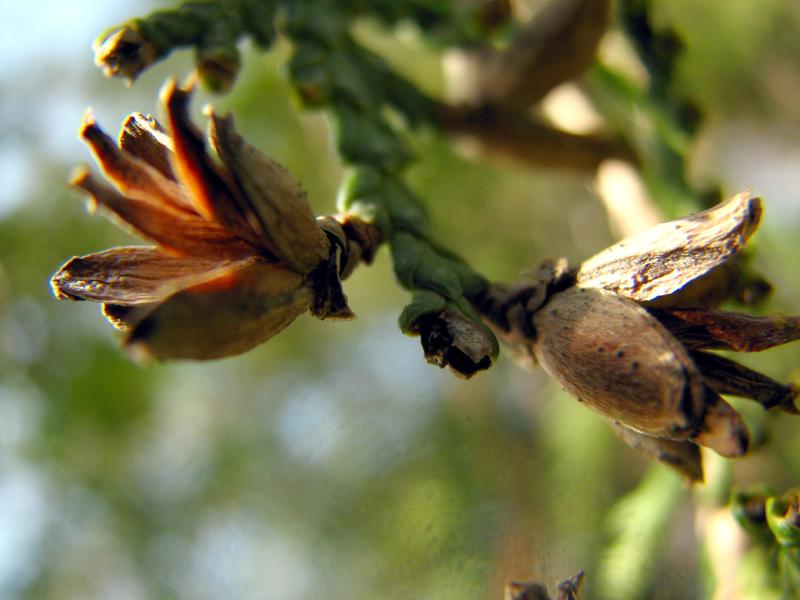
x,y
331,70
515,136
555,46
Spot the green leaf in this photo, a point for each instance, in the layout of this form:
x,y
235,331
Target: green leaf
x,y
406,255
320,21
435,272
310,74
368,139
405,208
259,21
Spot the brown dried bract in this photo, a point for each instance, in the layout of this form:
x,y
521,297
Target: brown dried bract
x,y
667,257
683,456
450,339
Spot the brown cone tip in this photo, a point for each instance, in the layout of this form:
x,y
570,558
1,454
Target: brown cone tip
x,y
723,429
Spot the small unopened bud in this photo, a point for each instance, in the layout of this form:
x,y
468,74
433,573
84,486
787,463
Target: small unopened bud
x,y
449,337
783,518
125,53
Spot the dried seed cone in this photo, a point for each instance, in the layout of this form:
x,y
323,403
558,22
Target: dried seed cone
x,y
610,353
237,253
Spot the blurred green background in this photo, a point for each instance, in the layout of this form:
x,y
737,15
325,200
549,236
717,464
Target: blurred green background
x,y
333,462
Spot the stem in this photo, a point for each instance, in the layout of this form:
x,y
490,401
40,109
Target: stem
x,y
331,70
513,135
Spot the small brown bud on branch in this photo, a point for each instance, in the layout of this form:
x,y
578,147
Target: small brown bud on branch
x,y
125,53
